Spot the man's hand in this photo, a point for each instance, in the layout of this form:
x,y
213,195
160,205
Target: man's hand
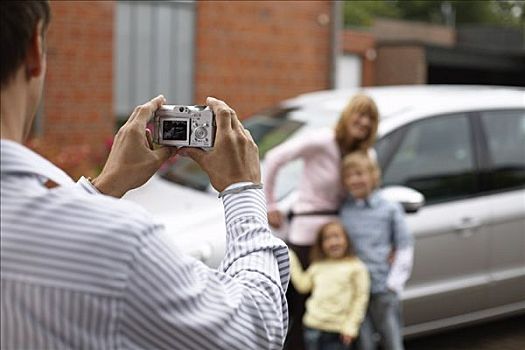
x,y
132,160
275,218
234,157
391,256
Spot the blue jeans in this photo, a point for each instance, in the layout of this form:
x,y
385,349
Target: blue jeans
x,y
315,339
382,323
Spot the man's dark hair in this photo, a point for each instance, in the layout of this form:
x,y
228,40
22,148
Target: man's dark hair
x,y
18,20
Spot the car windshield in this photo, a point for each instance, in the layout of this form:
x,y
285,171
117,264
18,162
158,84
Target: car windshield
x,y
268,128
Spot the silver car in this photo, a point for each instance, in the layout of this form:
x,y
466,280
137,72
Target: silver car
x,y
461,148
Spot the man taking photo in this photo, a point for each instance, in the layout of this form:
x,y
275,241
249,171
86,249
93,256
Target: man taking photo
x,y
81,268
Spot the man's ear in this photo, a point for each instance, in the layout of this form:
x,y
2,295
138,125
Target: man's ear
x,y
35,58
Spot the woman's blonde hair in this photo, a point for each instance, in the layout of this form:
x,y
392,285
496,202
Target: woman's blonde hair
x,y
360,103
317,253
363,160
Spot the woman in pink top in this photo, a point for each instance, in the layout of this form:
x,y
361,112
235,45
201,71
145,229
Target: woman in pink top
x,y
320,190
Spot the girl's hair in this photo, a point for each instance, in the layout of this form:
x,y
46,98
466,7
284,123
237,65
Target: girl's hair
x,y
363,160
317,253
360,103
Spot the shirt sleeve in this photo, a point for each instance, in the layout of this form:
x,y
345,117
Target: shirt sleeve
x,y
404,252
173,301
301,279
87,186
361,286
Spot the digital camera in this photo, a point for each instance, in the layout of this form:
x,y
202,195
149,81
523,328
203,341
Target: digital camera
x,y
190,126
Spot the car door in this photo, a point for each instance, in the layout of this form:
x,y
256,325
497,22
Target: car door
x,y
437,157
503,136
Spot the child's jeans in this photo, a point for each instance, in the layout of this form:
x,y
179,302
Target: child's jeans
x,y
384,318
315,339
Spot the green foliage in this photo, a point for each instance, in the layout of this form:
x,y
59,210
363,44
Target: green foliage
x,y
362,13
511,11
427,11
491,12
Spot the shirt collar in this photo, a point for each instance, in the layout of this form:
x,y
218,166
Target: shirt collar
x,y
371,201
18,159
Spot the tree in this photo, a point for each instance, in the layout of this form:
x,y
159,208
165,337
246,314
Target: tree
x,y
448,12
362,13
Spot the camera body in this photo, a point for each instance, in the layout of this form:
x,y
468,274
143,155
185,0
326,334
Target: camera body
x,y
184,126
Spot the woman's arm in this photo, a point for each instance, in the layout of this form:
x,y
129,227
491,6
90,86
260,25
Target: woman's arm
x,y
296,148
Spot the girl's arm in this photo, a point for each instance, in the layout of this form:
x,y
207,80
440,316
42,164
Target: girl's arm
x,y
359,302
302,280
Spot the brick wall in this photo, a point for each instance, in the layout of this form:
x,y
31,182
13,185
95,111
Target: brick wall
x,y
250,53
399,64
255,53
77,119
394,30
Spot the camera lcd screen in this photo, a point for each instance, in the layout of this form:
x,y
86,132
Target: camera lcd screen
x,y
175,130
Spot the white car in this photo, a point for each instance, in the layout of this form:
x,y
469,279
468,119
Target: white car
x,y
461,147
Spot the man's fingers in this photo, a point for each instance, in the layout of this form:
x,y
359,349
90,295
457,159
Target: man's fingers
x,y
164,153
236,123
248,134
142,114
149,138
223,114
196,154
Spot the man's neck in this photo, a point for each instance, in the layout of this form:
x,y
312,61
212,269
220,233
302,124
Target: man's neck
x,y
14,109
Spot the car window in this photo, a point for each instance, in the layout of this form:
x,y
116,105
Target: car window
x,y
386,146
505,134
434,157
268,132
287,178
268,129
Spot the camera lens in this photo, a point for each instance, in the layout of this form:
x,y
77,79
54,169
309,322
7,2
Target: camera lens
x,y
181,109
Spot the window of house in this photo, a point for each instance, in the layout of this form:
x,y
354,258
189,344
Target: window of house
x,y
154,52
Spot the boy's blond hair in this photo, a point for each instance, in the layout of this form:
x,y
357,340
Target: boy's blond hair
x,y
363,160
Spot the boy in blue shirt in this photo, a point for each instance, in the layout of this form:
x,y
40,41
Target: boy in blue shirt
x,y
381,240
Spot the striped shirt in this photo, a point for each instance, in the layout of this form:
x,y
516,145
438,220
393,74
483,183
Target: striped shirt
x,y
84,270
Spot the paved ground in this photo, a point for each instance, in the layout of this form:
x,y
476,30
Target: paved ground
x,y
508,334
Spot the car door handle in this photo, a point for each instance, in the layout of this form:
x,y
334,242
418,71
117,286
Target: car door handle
x,y
467,226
